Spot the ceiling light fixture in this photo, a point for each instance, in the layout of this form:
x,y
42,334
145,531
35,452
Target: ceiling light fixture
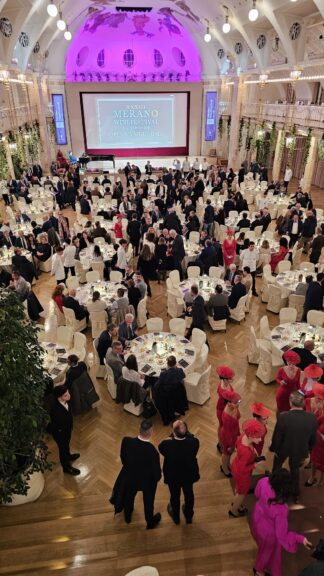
x,y
67,34
52,10
207,36
254,12
60,23
226,25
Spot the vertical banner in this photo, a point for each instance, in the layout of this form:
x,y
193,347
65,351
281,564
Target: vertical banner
x,y
211,116
59,120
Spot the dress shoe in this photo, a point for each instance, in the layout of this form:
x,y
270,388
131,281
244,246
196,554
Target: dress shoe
x,y
310,482
74,456
156,520
170,512
72,471
128,519
239,515
188,520
219,448
229,475
255,294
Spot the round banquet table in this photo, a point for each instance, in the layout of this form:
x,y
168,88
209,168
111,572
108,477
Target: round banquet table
x,y
108,292
6,255
86,255
152,350
288,281
55,360
205,284
231,222
294,334
24,227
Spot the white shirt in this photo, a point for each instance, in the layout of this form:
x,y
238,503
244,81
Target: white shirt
x,y
65,404
132,376
121,258
69,255
294,229
57,267
288,175
205,166
186,166
196,165
249,258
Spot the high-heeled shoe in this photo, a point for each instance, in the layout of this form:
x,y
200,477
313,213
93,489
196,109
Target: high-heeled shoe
x,y
229,475
239,515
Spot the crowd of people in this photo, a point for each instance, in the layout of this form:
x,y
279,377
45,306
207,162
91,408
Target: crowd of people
x,y
156,235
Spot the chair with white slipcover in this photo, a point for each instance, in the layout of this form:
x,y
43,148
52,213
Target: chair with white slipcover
x,y
154,324
287,315
197,386
177,326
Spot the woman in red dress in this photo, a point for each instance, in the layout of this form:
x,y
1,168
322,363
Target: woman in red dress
x,y
261,413
288,378
312,374
230,429
118,228
243,464
226,375
280,255
229,248
317,456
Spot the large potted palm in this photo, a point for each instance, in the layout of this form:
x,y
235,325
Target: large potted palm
x,y
23,382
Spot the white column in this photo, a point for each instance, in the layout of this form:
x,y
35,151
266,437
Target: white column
x,y
310,164
233,152
277,157
41,107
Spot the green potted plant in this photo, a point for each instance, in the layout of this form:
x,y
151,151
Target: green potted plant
x,y
23,383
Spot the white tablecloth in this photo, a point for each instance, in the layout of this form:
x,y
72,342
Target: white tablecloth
x,y
294,334
55,360
205,284
153,349
86,255
108,292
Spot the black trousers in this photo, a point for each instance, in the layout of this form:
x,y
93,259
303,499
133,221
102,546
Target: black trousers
x,y
148,501
294,465
63,443
67,268
189,499
253,274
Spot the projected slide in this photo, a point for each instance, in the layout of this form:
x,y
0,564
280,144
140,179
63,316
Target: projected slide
x,y
141,124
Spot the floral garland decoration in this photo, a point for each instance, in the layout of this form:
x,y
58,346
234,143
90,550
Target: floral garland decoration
x,y
4,170
307,146
248,137
292,145
321,148
229,120
242,124
220,126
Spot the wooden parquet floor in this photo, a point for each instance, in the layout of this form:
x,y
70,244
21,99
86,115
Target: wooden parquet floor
x,y
71,529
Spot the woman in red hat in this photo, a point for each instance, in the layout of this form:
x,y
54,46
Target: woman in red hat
x,y
312,374
317,456
316,403
288,378
229,248
243,464
261,413
230,429
118,228
226,375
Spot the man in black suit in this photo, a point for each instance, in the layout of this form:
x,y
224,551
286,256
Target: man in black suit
x,y
25,267
71,302
241,174
238,291
265,219
314,295
61,427
21,241
141,467
85,205
244,222
294,437
180,470
178,251
105,341
171,221
228,205
170,393
305,354
230,274
198,311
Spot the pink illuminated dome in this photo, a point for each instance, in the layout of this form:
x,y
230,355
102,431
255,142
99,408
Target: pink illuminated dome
x,y
133,47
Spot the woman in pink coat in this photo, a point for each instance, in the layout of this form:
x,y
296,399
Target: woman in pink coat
x,y
229,249
269,524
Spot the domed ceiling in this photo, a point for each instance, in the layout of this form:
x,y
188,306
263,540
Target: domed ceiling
x,y
133,46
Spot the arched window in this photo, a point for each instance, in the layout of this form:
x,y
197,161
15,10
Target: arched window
x,y
82,56
129,58
158,58
101,58
178,56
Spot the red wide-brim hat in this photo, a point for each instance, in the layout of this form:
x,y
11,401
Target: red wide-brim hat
x,y
260,410
225,372
253,428
292,357
313,371
231,396
318,391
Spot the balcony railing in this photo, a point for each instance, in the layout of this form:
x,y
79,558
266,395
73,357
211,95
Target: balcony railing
x,y
304,115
